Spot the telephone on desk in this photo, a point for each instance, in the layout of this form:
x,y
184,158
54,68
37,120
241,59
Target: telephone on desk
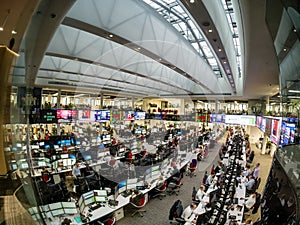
x,y
127,193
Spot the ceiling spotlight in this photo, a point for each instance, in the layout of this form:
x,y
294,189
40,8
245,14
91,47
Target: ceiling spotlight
x,y
1,28
295,30
219,50
192,1
284,49
224,62
111,35
14,32
210,30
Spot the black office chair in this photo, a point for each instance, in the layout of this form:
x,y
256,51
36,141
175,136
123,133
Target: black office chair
x,y
93,181
138,202
175,213
174,185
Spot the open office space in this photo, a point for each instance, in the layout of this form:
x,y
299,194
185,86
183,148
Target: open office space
x,y
109,108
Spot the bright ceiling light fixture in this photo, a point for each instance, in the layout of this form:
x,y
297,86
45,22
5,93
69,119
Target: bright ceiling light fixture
x,y
192,1
294,91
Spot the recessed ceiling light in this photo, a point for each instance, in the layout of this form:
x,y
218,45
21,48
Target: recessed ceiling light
x,y
224,62
111,35
192,1
219,50
14,32
295,30
1,28
284,49
210,30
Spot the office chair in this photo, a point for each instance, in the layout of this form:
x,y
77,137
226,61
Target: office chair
x,y
160,190
139,202
92,181
174,185
192,168
175,213
46,177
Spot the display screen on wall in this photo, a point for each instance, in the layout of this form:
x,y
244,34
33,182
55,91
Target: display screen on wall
x,y
275,131
219,118
128,115
84,115
48,116
66,115
287,135
115,115
140,115
268,126
203,117
260,123
102,115
240,119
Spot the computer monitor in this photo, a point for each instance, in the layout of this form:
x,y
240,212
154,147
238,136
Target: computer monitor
x,y
64,156
14,166
100,193
41,163
89,201
68,205
35,147
46,146
101,199
19,145
81,207
88,195
56,205
55,146
131,183
154,168
57,212
122,186
68,142
70,211
41,143
80,200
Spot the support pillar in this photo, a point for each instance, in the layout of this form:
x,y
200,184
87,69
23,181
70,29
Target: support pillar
x,y
7,59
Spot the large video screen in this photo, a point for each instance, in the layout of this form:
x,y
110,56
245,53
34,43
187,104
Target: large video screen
x,y
102,115
218,118
140,115
268,126
84,115
287,135
275,131
128,115
240,119
64,115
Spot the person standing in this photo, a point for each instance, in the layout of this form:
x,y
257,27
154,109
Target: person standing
x,y
256,171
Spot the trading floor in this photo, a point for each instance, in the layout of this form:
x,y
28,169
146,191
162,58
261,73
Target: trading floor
x,y
158,210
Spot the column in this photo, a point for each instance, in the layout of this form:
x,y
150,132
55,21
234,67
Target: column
x,y
7,60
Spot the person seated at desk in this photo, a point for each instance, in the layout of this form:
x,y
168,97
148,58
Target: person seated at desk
x,y
201,194
66,221
249,203
188,214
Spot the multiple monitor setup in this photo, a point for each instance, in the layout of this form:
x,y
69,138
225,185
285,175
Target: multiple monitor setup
x,y
54,209
89,198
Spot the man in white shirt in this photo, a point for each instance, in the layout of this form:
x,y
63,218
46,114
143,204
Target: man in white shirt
x,y
201,194
249,203
188,214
